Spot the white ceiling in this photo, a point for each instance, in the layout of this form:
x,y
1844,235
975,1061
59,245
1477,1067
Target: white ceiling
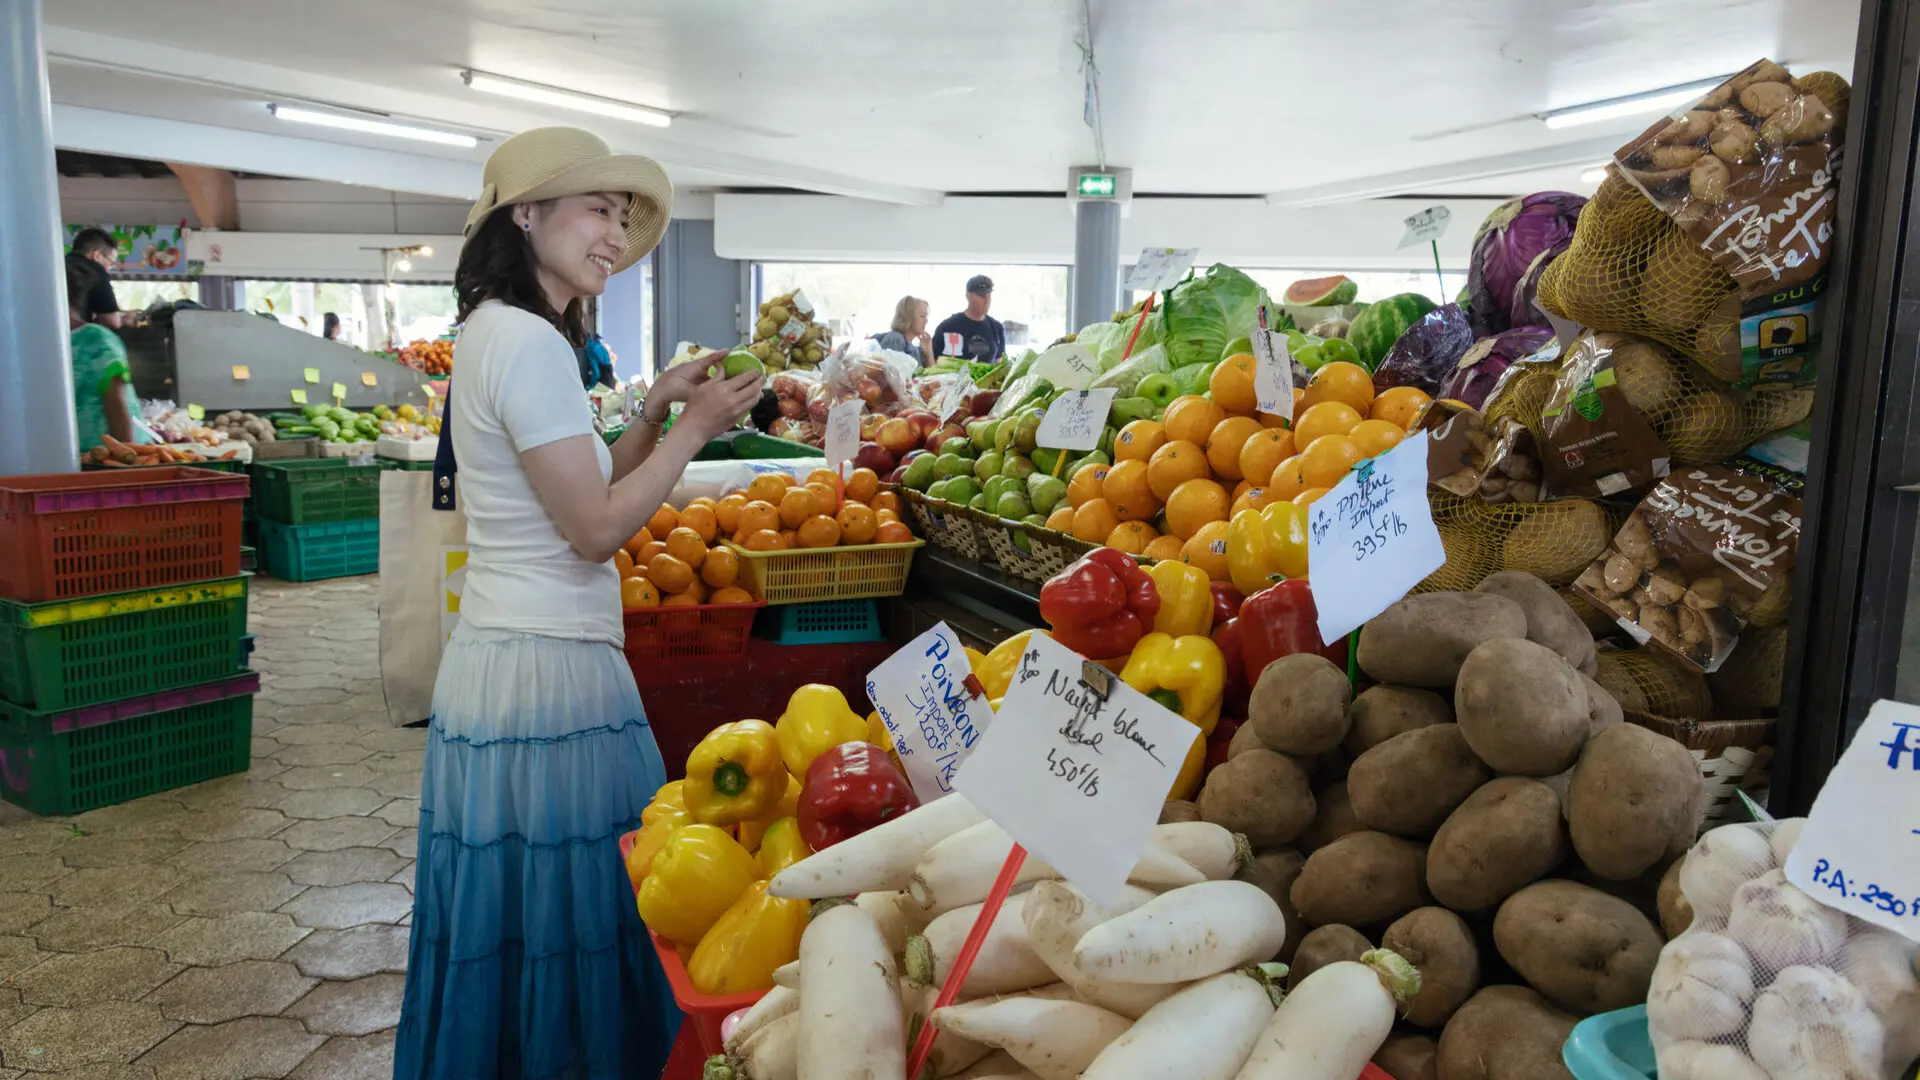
x,y
903,101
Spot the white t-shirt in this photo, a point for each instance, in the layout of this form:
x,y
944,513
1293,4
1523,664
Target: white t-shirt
x,y
516,385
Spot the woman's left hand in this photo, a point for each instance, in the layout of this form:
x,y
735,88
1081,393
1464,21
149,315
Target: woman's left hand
x,y
677,383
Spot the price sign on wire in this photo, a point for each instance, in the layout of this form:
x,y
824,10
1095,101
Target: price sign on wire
x,y
241,373
1160,268
1076,770
932,715
299,397
312,375
367,378
1372,538
1075,419
1426,226
339,391
1860,849
843,432
195,412
1272,374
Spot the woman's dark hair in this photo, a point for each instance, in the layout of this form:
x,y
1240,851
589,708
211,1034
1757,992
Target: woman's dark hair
x,y
329,326
496,263
83,276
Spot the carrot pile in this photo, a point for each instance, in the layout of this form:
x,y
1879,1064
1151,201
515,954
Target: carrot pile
x,y
113,452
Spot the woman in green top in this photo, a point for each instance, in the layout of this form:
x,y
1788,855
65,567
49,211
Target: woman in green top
x,y
103,401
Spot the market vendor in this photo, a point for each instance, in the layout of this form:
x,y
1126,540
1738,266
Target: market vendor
x,y
528,957
909,332
100,249
972,334
103,399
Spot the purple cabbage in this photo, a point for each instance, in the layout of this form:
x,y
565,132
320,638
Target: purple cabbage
x,y
1426,352
1479,371
1511,251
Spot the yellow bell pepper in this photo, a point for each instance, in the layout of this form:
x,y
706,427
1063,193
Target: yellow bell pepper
x,y
756,935
1186,598
697,875
1265,546
817,720
669,798
781,847
752,833
995,670
1187,675
652,837
734,774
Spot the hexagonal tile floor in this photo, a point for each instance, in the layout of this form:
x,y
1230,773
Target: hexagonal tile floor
x,y
252,926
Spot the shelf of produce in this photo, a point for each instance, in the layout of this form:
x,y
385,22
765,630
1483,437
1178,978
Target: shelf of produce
x,y
1001,598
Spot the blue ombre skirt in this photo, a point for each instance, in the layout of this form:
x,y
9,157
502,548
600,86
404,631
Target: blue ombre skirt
x,y
528,960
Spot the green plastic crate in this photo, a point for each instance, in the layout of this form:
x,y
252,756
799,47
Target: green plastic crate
x,y
829,622
328,550
64,762
312,491
64,654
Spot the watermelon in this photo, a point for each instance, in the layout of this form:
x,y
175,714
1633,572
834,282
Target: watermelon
x,y
1376,329
1322,291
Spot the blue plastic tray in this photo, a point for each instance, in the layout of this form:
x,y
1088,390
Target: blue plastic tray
x,y
1611,1046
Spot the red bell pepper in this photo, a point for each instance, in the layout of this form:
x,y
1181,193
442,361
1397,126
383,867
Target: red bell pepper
x,y
1230,637
848,790
1101,605
1226,601
1280,620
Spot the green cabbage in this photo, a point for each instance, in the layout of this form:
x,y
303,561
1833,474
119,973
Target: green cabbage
x,y
1203,314
1126,377
1095,336
1114,348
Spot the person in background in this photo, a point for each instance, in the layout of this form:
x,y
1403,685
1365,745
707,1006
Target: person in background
x,y
103,401
909,333
973,334
95,246
330,326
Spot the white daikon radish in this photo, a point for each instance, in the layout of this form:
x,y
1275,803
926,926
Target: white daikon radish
x,y
849,1016
787,975
961,869
950,1052
895,913
1201,1033
1055,1038
1333,1023
1186,934
778,1002
1006,962
769,1054
1211,849
878,860
998,1065
1057,915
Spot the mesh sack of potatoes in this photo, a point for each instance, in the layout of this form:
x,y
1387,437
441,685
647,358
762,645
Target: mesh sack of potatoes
x,y
1646,681
1748,684
1553,541
1712,226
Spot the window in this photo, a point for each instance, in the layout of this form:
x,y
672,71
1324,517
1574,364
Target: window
x,y
141,295
420,311
858,298
372,316
1374,284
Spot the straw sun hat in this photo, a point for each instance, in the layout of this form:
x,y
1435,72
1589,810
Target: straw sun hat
x,y
552,162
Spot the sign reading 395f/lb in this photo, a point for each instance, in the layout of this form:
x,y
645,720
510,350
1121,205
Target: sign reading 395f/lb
x,y
1372,539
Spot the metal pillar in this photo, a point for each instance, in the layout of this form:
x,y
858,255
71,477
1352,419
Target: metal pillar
x,y
37,428
1096,262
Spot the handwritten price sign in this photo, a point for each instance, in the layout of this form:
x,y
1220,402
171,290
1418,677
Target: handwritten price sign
x,y
1074,420
1860,850
1426,226
1160,268
1272,373
933,718
1075,770
1371,538
843,432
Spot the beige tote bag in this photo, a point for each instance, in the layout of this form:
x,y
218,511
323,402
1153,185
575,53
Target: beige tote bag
x,y
423,559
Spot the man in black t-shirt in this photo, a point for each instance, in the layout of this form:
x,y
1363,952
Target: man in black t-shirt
x,y
973,334
97,247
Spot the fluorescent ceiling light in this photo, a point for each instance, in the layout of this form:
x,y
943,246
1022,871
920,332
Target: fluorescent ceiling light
x,y
1594,175
566,99
371,126
1631,105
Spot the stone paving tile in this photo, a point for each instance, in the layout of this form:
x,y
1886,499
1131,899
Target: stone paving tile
x,y
341,753
14,1008
230,894
233,824
214,995
344,1058
84,852
110,1032
398,761
343,866
405,877
122,973
98,926
400,813
105,886
352,954
245,1049
97,1072
250,935
340,802
334,834
397,784
17,954
406,843
21,910
393,738
233,857
230,792
337,907
27,873
324,777
33,836
360,1007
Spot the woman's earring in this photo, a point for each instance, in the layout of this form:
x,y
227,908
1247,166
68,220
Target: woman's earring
x,y
526,226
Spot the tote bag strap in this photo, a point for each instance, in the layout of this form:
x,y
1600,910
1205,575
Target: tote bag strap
x,y
443,464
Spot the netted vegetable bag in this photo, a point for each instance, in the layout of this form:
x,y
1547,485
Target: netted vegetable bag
x,y
1712,229
1553,541
1645,681
1767,983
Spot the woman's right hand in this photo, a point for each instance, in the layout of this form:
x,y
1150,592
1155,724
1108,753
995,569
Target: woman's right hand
x,y
716,405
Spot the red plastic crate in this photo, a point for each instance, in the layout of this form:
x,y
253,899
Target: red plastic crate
x,y
704,1011
683,633
65,535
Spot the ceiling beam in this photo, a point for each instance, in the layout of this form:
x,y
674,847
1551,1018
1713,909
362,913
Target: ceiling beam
x,y
211,192
1436,177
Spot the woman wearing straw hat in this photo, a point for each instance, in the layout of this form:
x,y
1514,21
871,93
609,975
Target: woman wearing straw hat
x,y
528,959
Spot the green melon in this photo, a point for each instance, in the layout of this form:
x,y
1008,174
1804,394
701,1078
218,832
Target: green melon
x,y
1323,291
1376,329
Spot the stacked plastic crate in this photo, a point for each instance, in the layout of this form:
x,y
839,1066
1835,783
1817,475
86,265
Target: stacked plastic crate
x,y
319,517
122,614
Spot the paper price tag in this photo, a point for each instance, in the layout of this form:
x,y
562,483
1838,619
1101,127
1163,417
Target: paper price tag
x,y
241,373
921,695
1160,268
1075,776
195,412
1371,539
1272,373
1860,849
368,378
843,432
955,396
312,375
339,391
299,397
1075,419
1427,225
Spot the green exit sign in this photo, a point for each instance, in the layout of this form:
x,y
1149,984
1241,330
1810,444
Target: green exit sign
x,y
1096,185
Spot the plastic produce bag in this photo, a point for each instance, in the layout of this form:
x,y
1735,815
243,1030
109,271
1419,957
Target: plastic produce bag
x,y
1427,352
1126,377
872,374
1767,983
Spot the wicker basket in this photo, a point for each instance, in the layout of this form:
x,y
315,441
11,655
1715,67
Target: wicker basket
x,y
1733,755
1028,552
946,526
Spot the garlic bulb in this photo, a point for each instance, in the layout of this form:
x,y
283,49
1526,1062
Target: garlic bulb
x,y
1702,987
1706,1061
1722,861
1786,833
1780,926
1811,1024
1881,964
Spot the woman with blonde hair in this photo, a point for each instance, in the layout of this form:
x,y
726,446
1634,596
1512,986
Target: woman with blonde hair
x,y
528,959
909,333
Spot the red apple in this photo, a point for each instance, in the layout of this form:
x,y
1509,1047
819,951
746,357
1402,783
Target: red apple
x,y
870,425
817,405
945,432
907,458
873,456
898,475
896,435
923,424
793,410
